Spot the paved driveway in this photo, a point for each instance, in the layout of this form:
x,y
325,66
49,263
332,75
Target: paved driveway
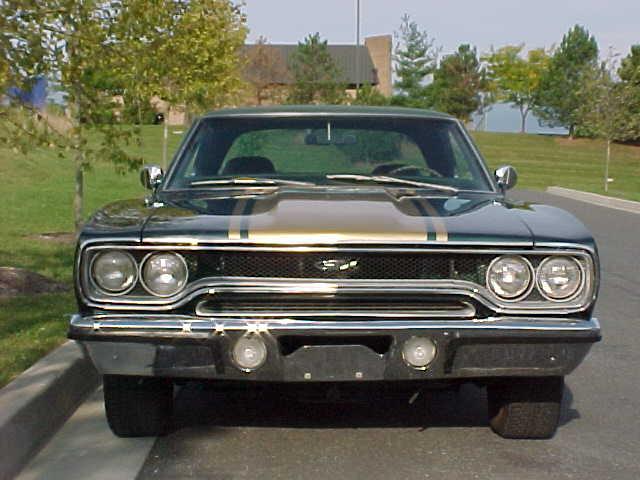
x,y
440,435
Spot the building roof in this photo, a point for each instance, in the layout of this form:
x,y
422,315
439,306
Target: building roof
x,y
346,58
327,110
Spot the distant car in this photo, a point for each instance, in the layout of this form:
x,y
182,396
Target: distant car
x,y
337,245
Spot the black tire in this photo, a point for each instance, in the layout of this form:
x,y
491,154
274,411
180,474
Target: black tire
x,y
138,406
525,407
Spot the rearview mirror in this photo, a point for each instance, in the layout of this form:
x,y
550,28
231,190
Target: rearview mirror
x,y
507,177
151,176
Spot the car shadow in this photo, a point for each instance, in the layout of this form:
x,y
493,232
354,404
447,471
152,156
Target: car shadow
x,y
200,404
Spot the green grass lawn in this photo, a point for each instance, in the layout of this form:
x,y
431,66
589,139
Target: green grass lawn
x,y
37,192
546,161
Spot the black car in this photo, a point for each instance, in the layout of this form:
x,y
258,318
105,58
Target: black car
x,y
334,246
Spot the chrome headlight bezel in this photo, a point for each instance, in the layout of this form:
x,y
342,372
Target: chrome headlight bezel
x,y
579,289
521,294
104,290
144,281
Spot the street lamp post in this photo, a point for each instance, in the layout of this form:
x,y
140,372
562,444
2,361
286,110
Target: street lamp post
x,y
357,46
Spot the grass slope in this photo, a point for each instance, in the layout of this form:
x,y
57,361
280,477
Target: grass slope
x,y
37,191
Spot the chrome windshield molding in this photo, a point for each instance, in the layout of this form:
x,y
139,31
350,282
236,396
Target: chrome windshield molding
x,y
191,324
479,158
242,285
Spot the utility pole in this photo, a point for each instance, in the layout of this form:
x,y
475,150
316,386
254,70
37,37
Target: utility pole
x,y
357,46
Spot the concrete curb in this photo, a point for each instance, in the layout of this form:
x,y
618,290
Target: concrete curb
x,y
594,198
39,401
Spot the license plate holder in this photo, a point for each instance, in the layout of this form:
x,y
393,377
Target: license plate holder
x,y
332,363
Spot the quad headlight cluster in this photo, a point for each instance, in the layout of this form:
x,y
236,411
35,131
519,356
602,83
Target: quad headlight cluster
x,y
116,272
557,278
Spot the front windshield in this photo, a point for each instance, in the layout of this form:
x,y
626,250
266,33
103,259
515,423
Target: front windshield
x,y
327,151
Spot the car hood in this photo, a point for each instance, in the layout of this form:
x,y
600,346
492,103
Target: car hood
x,y
344,216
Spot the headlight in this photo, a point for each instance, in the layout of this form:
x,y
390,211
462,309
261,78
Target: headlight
x,y
509,276
114,271
164,274
559,277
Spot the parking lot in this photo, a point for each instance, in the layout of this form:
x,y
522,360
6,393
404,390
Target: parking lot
x,y
442,434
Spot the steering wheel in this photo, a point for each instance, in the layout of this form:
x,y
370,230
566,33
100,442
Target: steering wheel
x,y
415,168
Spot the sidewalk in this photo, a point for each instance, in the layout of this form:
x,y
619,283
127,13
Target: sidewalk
x,y
594,198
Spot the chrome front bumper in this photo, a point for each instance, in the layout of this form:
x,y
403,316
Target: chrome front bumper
x,y
194,347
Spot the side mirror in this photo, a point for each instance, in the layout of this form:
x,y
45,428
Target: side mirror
x,y
506,176
151,176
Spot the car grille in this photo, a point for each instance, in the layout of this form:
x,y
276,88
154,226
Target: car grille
x,y
374,266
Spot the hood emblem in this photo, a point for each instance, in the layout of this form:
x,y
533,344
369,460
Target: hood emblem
x,y
336,265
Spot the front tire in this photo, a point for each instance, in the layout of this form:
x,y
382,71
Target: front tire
x,y
525,407
138,406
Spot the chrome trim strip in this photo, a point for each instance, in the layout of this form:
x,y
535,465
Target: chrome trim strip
x,y
466,310
305,285
163,323
186,243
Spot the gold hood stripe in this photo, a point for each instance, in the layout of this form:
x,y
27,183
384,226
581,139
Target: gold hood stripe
x,y
301,221
442,235
236,219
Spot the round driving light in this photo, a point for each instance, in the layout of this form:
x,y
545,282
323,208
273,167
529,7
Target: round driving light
x,y
114,271
164,274
559,277
249,353
509,276
419,352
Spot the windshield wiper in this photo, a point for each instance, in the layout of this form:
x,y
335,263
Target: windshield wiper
x,y
391,181
248,181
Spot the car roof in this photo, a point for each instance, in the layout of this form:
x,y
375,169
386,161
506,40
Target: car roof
x,y
326,110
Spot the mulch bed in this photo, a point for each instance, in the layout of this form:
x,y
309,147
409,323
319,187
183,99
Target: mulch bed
x,y
18,281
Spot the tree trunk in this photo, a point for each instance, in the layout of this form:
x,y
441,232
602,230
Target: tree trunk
x,y
572,132
165,141
606,166
78,196
523,120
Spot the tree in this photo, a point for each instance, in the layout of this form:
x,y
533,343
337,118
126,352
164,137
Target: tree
x,y
94,50
458,83
415,57
629,70
605,111
317,78
368,95
562,84
517,79
264,67
199,44
629,73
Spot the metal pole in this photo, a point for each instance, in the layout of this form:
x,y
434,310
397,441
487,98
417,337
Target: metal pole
x,y
357,46
606,166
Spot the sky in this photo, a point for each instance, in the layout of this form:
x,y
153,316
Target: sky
x,y
540,23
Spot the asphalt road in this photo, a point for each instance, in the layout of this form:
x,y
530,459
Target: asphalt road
x,y
441,435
